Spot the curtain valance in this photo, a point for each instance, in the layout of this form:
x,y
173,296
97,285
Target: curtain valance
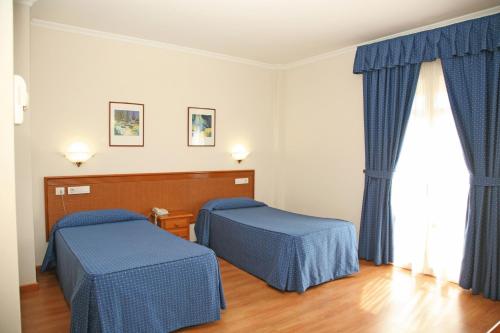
x,y
469,37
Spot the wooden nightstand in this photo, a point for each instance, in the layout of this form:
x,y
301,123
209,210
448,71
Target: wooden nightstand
x,y
176,222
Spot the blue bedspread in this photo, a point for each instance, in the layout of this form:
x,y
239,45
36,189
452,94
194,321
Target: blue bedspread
x,y
289,251
130,276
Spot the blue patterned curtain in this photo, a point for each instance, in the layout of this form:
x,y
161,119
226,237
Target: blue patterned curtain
x,y
388,97
473,84
469,52
457,40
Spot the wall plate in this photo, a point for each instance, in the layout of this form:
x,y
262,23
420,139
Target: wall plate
x,y
240,181
79,189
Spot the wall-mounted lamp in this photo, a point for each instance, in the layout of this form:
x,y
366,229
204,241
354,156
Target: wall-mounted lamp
x,y
239,153
20,99
78,153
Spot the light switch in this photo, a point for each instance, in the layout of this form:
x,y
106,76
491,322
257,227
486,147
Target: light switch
x,y
79,189
241,181
59,190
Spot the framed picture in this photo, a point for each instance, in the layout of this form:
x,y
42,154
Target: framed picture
x,y
201,127
126,124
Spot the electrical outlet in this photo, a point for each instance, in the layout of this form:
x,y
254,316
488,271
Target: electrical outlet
x,y
59,190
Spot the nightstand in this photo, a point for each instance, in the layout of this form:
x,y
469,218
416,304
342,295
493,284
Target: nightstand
x,y
176,222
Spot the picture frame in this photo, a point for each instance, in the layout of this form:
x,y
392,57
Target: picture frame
x,y
126,124
201,127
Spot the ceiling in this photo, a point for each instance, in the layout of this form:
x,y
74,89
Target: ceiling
x,y
269,31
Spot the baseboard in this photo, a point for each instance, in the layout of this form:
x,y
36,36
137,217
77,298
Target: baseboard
x,y
26,288
29,287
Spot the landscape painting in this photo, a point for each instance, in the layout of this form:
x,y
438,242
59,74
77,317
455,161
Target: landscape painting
x,y
126,124
201,123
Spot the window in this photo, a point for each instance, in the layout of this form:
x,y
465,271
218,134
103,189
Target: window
x,y
430,185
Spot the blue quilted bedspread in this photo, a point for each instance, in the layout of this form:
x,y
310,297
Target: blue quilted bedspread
x,y
127,275
289,251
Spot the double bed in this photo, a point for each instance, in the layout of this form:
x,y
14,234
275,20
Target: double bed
x,y
120,273
291,252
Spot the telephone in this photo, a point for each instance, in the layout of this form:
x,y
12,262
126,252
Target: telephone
x,y
159,212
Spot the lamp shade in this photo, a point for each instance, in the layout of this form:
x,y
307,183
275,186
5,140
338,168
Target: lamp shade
x,y
239,153
78,153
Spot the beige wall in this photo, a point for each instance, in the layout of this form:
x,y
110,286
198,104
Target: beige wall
x,y
73,77
303,126
323,147
10,321
322,136
22,138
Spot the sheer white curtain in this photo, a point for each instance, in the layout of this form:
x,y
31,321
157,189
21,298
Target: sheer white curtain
x,y
430,185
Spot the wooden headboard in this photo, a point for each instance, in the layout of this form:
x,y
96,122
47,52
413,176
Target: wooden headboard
x,y
140,192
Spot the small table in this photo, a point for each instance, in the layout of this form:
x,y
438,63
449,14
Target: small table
x,y
176,222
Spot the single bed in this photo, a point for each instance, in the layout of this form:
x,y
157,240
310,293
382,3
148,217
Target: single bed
x,y
120,273
291,252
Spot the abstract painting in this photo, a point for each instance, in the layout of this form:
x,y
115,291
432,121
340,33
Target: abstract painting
x,y
201,127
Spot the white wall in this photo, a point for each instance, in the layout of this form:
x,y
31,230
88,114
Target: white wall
x,y
10,320
303,125
323,140
73,77
322,136
22,138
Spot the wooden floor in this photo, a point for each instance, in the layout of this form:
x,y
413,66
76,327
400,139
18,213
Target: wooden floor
x,y
378,299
